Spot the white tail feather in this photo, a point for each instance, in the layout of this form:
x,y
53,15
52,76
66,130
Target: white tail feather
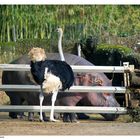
x,y
51,83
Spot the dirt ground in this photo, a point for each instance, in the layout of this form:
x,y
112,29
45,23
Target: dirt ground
x,y
94,126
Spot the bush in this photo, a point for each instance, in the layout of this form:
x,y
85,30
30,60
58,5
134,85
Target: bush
x,y
114,48
134,113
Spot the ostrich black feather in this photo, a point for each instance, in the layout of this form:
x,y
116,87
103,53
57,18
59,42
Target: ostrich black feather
x,y
58,68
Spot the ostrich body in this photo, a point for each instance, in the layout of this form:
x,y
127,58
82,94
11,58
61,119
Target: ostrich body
x,y
52,69
51,75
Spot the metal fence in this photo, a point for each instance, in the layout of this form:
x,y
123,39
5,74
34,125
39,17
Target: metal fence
x,y
84,109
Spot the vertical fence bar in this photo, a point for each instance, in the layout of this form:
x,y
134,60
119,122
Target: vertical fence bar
x,y
126,65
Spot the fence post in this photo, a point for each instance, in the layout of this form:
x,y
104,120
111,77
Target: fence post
x,y
126,83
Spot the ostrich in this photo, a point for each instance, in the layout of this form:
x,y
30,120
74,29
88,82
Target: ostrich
x,y
51,75
60,34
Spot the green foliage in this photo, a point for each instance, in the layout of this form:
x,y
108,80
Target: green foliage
x,y
134,114
123,50
7,44
31,25
24,45
39,21
111,55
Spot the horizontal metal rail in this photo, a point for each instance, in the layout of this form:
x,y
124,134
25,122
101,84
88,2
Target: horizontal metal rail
x,y
76,68
36,88
85,109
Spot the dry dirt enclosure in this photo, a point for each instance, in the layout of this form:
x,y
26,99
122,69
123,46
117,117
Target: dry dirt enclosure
x,y
96,126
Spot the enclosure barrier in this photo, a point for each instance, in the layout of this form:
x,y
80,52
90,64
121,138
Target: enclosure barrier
x,y
78,68
36,88
98,89
77,109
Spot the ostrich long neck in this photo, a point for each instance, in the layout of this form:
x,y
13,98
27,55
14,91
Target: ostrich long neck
x,y
79,50
60,47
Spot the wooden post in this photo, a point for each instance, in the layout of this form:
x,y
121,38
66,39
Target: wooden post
x,y
131,69
126,82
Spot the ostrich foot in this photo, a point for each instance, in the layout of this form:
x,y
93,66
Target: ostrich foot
x,y
54,120
41,118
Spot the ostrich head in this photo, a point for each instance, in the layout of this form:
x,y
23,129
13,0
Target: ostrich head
x,y
60,31
37,54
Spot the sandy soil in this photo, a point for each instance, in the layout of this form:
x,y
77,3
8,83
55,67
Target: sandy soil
x,y
91,127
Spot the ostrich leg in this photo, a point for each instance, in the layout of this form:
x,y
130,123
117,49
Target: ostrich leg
x,y
52,108
41,98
